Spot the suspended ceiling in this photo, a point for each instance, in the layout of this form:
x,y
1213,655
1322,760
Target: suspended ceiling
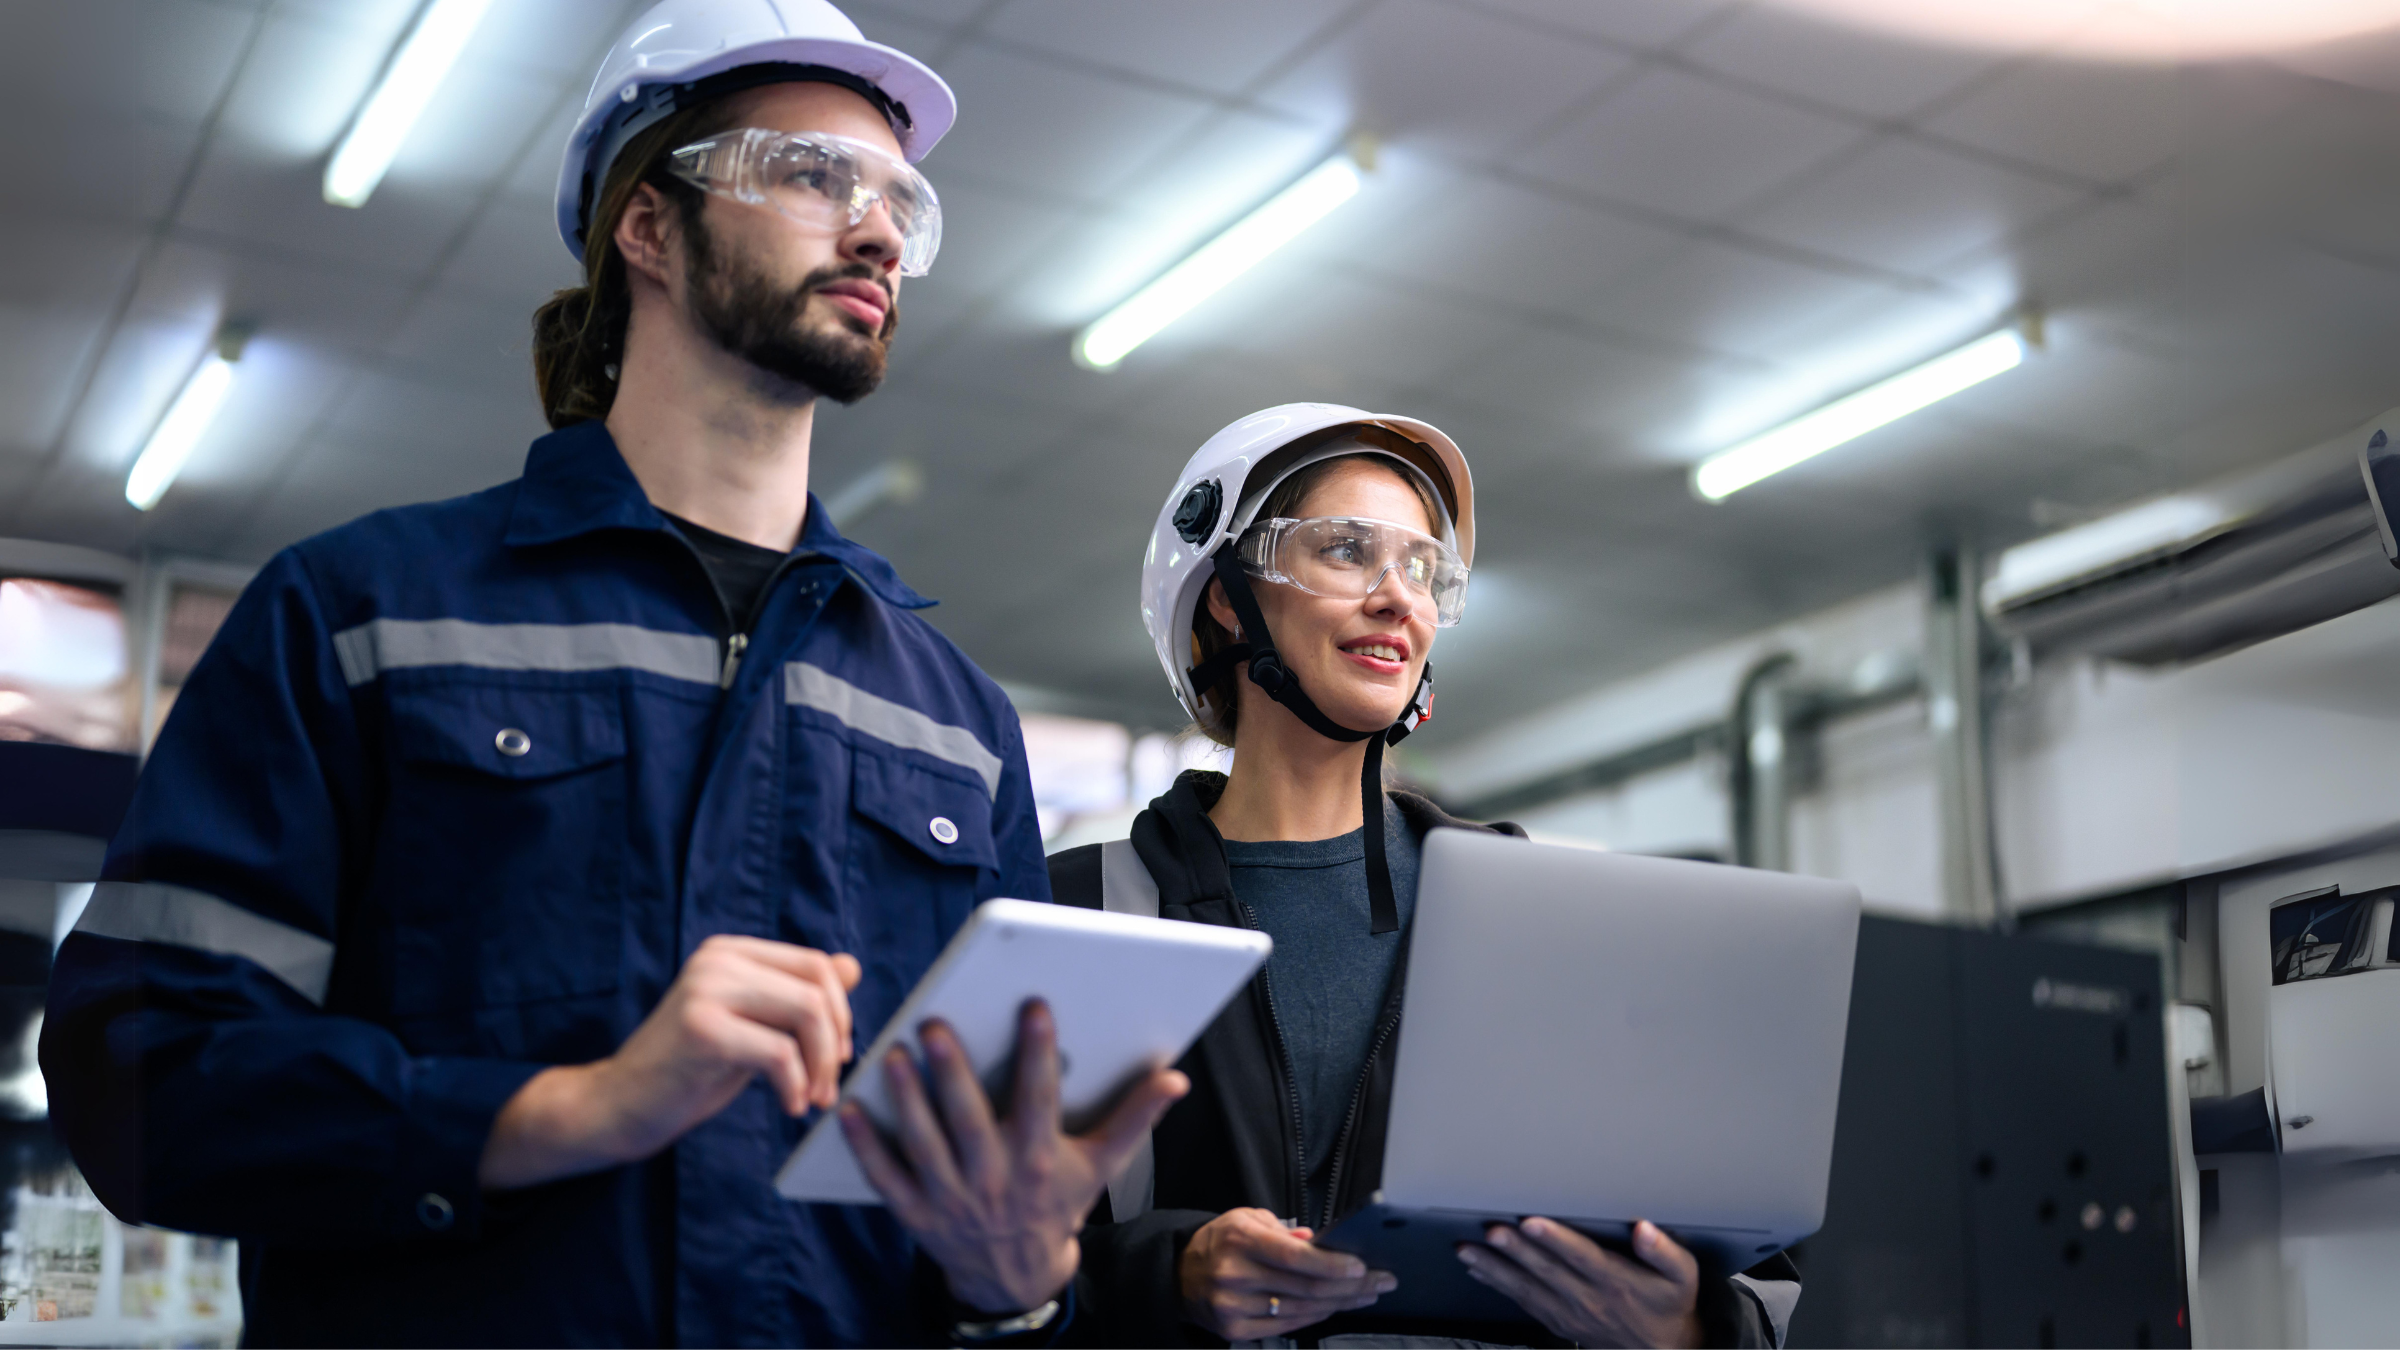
x,y
1602,238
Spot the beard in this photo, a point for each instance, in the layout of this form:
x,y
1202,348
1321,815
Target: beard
x,y
747,315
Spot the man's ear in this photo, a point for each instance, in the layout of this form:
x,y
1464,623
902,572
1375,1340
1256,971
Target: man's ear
x,y
645,235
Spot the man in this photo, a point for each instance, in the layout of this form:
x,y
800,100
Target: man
x,y
516,872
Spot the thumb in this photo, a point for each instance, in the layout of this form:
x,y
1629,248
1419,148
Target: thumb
x,y
1113,1141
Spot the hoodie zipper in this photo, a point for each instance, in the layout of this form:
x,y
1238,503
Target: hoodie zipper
x,y
1291,1075
1358,1097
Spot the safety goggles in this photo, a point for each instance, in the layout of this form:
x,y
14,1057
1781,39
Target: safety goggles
x,y
821,181
1347,557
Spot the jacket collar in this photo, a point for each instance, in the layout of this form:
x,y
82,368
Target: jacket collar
x,y
1185,855
576,483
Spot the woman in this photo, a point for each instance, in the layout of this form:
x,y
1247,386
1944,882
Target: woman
x,y
1293,588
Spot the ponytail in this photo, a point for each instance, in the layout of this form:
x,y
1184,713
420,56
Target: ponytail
x,y
579,332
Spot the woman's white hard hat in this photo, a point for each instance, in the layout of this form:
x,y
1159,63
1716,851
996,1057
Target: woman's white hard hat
x,y
680,42
1242,465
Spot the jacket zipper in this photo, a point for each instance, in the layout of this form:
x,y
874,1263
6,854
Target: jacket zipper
x,y
1358,1096
736,641
1291,1076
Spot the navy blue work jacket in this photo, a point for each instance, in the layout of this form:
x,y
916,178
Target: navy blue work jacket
x,y
451,798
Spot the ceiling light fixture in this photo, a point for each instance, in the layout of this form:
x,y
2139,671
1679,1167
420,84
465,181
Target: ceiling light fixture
x,y
417,69
1207,270
2147,30
1846,419
186,419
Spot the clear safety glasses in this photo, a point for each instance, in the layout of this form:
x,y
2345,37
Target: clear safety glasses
x,y
821,181
1347,557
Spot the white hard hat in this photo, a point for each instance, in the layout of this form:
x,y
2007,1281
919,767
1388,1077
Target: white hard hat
x,y
678,43
1225,483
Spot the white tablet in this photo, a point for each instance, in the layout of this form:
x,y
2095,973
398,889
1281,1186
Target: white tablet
x,y
1127,993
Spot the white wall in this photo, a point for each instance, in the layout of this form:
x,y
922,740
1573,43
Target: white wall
x,y
2104,776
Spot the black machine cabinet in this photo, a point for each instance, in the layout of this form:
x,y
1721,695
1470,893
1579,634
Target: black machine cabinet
x,y
2002,1167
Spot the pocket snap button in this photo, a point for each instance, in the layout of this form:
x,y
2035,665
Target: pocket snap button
x,y
943,831
512,742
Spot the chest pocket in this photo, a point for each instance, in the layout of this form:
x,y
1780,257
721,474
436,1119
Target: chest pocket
x,y
502,862
920,847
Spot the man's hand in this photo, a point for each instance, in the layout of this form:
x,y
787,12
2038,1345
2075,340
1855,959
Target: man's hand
x,y
998,1203
1246,1277
1587,1294
740,1007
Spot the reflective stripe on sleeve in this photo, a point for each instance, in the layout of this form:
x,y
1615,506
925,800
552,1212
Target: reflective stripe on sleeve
x,y
149,911
393,644
814,687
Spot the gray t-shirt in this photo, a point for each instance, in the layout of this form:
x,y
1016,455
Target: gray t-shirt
x,y
1328,975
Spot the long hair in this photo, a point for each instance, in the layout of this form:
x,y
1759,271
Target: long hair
x,y
579,333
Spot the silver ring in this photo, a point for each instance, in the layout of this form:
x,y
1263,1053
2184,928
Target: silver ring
x,y
1274,1307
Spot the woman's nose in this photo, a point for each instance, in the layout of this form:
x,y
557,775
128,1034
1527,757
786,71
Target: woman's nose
x,y
1391,594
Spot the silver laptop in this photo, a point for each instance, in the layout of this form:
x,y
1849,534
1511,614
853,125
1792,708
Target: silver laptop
x,y
1598,1038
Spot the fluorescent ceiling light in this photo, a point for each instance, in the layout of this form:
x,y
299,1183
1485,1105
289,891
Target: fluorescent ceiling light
x,y
1217,262
1846,419
2150,30
424,59
187,418
2106,543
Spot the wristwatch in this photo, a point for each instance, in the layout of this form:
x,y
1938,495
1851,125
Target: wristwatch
x,y
968,1333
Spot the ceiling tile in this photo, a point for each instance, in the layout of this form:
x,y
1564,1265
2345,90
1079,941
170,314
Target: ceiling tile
x,y
465,340
125,167
1115,129
1222,45
1814,58
1289,311
878,18
1906,206
47,349
1423,74
534,177
2103,123
1502,243
558,41
1678,144
1727,300
513,254
1613,402
256,200
57,279
186,54
1642,23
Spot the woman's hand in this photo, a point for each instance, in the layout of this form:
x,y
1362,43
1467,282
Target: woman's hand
x,y
1245,1277
1587,1294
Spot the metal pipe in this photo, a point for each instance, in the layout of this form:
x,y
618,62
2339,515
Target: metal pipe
x,y
1759,790
1954,709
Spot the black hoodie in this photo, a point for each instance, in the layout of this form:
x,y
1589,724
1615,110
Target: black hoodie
x,y
1234,1140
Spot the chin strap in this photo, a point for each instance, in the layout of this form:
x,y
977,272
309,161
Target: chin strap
x,y
1268,672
